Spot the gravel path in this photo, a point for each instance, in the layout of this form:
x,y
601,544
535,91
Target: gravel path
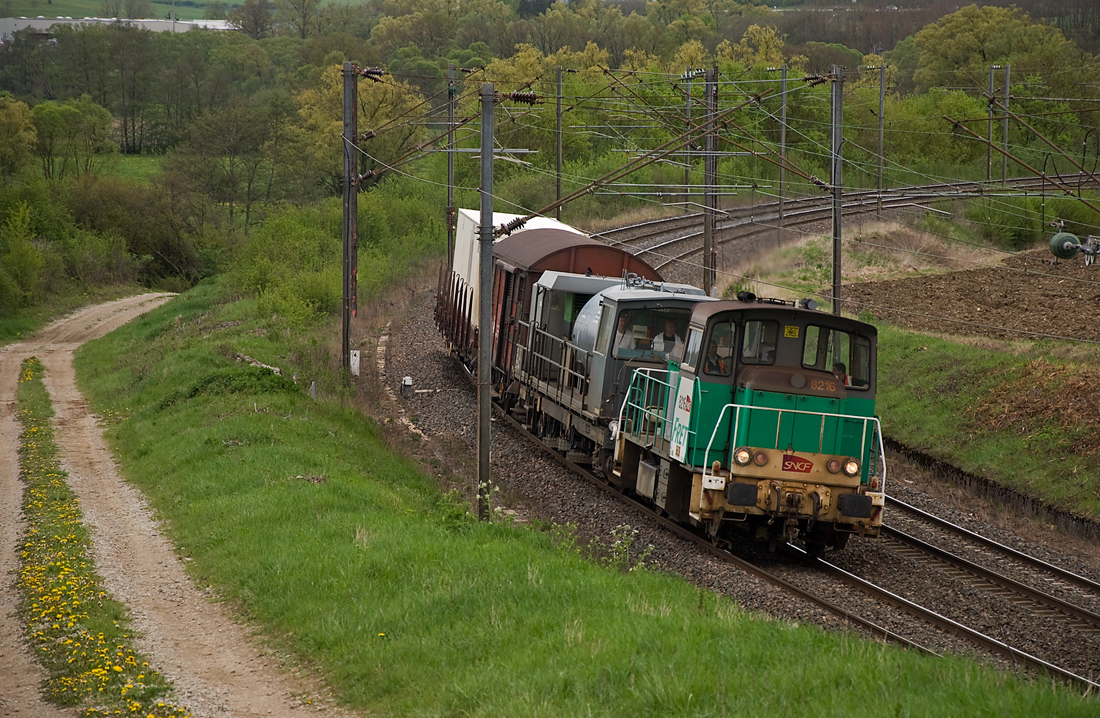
x,y
217,669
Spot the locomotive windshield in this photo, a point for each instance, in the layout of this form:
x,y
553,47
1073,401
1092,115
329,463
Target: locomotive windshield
x,y
846,355
650,333
758,346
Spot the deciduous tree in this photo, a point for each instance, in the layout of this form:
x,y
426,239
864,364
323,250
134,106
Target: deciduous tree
x,y
17,136
254,18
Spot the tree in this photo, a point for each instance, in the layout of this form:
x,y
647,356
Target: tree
x,y
21,263
254,18
137,8
224,155
318,145
73,136
299,17
760,46
959,48
17,135
215,10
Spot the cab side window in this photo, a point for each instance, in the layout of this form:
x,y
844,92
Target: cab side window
x,y
758,343
691,353
603,334
718,359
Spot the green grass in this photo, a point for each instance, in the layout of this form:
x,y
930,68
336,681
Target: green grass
x,y
93,8
950,399
137,168
408,608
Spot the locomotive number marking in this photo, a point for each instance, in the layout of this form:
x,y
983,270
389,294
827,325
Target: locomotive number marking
x,y
822,385
790,332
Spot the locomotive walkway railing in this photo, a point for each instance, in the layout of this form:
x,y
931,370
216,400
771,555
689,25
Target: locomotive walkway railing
x,y
553,367
876,437
644,412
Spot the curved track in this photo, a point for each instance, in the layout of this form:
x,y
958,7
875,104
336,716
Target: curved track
x,y
670,241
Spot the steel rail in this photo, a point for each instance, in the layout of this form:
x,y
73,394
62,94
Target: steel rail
x,y
987,642
628,234
1085,616
1061,573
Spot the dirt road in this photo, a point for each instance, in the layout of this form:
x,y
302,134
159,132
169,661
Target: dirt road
x,y
216,668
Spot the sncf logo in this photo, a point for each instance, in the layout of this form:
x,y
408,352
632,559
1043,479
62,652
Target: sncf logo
x,y
795,463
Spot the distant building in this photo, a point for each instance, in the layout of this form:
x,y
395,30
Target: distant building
x,y
9,25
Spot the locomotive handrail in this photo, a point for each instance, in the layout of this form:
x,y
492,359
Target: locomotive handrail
x,y
569,386
650,376
737,420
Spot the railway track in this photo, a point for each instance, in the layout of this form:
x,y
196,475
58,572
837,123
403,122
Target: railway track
x,y
787,578
668,242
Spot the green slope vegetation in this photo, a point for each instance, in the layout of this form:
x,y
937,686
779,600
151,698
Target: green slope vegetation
x,y
350,558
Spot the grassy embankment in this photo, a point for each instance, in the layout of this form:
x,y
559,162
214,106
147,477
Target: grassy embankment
x,y
1020,413
350,559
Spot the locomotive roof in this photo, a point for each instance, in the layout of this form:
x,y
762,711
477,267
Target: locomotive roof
x,y
664,292
565,250
704,311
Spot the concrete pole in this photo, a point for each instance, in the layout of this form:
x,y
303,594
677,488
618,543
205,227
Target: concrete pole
x,y
837,178
450,166
1004,132
782,150
351,211
687,147
485,301
557,211
881,120
989,131
451,94
710,168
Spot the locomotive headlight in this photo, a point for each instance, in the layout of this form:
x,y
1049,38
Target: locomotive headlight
x,y
742,457
833,466
760,458
851,467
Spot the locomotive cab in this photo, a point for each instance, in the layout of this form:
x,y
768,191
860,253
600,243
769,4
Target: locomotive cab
x,y
768,425
569,389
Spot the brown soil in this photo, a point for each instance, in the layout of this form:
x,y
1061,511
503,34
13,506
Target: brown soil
x,y
1027,297
1012,307
216,667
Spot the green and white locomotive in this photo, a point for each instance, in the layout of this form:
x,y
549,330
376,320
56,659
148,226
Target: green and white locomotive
x,y
763,423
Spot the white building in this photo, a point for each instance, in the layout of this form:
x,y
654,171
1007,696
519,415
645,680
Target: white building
x,y
9,25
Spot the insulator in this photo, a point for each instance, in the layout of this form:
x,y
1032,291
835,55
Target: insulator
x,y
524,98
814,80
366,135
515,224
373,73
